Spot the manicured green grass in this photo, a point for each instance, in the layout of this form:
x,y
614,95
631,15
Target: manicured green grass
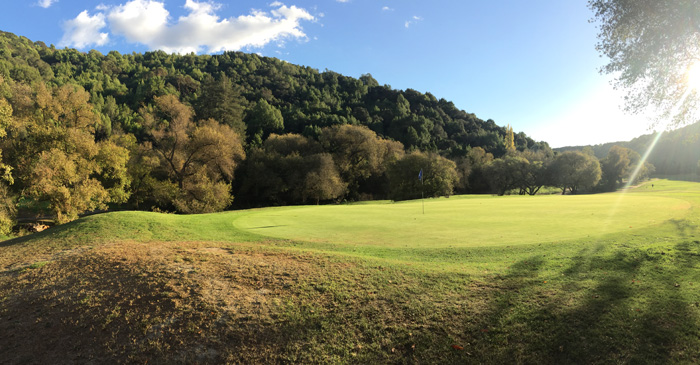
x,y
610,278
460,222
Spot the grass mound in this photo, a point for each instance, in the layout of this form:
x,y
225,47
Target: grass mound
x,y
134,287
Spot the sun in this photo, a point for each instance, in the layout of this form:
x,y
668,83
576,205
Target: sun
x,y
693,76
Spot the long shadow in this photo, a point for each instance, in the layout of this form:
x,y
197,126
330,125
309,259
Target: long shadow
x,y
615,305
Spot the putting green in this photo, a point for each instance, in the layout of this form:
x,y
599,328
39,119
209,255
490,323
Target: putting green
x,y
468,221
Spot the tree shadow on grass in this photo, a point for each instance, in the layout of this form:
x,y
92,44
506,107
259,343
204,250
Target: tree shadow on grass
x,y
611,305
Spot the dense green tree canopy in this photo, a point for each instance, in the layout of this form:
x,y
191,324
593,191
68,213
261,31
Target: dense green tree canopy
x,y
229,86
505,173
263,119
438,176
525,171
220,100
291,169
359,154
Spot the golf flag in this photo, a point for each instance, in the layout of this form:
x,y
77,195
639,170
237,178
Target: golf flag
x,y
420,175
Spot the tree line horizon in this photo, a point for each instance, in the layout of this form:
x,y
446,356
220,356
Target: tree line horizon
x,y
184,133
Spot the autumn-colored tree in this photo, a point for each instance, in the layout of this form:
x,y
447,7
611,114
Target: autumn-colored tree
x,y
277,97
7,202
199,158
57,158
323,182
5,120
510,139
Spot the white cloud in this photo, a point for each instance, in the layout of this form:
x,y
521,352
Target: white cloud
x,y
386,8
141,21
415,19
201,29
46,3
342,1
84,31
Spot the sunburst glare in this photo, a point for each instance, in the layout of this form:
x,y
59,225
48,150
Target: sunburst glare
x,y
693,77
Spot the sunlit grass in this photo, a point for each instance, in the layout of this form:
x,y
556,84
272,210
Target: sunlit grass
x,y
134,286
457,222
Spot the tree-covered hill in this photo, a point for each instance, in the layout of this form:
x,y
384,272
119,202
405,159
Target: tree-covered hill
x,y
677,152
227,86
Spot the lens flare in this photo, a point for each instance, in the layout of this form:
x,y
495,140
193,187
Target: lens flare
x,y
693,76
640,164
642,161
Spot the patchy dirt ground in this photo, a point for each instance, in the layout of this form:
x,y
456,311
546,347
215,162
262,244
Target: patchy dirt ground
x,y
169,303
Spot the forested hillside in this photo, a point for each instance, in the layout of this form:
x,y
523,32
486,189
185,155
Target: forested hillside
x,y
676,152
227,87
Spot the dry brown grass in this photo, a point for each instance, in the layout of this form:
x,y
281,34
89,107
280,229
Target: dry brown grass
x,y
178,303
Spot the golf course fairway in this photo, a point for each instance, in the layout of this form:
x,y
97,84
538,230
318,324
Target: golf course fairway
x,y
469,221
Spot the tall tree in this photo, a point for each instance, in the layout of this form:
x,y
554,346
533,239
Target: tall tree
x,y
654,49
7,201
506,173
291,169
510,139
221,100
199,158
57,158
438,176
263,119
359,154
616,166
574,171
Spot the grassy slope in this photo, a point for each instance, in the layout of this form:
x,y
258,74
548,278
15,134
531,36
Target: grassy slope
x,y
132,286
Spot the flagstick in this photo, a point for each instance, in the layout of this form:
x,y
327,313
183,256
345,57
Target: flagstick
x,y
422,199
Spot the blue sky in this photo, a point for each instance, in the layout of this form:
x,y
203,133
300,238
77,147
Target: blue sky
x,y
530,64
